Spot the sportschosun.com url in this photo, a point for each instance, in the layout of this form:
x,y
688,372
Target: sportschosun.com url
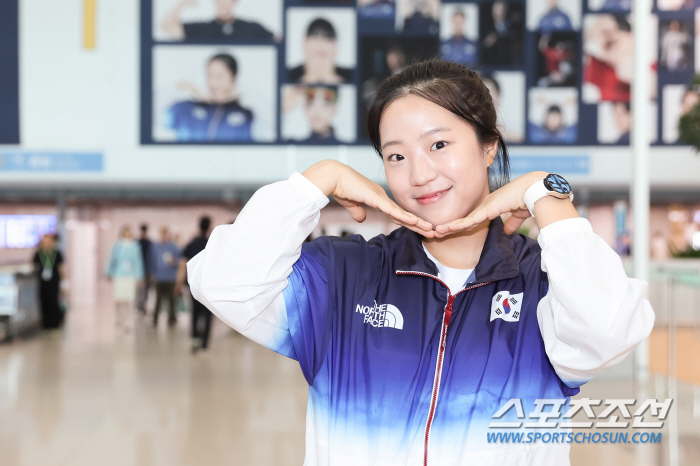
x,y
570,437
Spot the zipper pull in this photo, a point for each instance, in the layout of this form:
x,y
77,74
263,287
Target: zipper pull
x,y
448,309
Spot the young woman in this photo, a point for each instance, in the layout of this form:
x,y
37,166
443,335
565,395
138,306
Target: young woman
x,y
411,342
125,269
218,115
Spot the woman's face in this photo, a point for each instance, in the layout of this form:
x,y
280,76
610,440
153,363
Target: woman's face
x,y
320,110
435,166
320,51
219,81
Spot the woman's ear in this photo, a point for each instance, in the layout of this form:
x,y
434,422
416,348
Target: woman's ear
x,y
491,151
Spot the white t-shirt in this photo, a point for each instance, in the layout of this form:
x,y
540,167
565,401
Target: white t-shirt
x,y
455,279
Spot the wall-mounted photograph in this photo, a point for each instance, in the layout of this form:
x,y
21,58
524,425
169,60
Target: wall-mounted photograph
x,y
459,33
319,114
224,21
501,28
553,15
214,94
321,45
507,90
553,116
418,17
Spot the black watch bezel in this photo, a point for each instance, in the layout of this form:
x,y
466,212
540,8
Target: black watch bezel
x,y
557,184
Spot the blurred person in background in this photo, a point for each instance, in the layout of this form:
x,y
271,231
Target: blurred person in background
x,y
458,48
201,316
623,121
555,19
502,35
48,263
320,106
225,26
608,65
421,17
164,259
145,284
558,58
553,128
126,271
320,51
216,116
675,44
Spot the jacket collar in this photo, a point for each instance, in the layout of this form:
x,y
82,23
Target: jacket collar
x,y
497,261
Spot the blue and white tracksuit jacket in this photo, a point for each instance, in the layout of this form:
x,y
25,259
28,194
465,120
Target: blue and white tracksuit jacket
x,y
402,370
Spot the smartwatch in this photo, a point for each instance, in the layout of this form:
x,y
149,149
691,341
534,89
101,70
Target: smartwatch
x,y
551,185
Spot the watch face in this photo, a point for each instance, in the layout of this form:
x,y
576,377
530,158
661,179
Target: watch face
x,y
557,183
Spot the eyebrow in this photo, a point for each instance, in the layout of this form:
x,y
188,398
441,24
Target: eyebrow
x,y
440,129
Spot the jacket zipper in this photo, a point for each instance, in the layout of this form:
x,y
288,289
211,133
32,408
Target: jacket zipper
x,y
441,353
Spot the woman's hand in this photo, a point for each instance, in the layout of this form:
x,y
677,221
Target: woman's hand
x,y
509,198
351,190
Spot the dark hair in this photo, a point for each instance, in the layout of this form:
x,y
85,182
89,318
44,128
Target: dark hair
x,y
554,109
455,88
625,105
204,224
227,60
144,227
321,27
491,79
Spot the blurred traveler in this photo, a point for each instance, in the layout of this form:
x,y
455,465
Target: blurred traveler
x,y
164,263
125,270
201,316
320,51
145,284
225,26
48,262
218,115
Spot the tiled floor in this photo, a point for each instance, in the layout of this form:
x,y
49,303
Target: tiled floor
x,y
90,395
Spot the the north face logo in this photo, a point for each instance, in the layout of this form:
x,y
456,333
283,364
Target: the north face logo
x,y
381,315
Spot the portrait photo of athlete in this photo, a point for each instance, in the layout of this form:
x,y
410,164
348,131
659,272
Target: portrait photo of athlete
x,y
318,114
459,34
553,116
206,94
218,20
411,341
320,45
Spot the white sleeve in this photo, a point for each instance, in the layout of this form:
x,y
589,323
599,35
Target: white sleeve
x,y
241,273
593,315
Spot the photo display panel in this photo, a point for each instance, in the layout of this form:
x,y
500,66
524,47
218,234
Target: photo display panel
x,y
306,71
9,73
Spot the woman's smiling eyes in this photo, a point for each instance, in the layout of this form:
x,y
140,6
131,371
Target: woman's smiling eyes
x,y
438,145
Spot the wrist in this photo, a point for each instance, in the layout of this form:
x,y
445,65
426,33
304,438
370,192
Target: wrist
x,y
324,175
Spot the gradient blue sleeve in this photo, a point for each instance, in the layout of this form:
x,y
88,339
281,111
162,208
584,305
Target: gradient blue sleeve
x,y
308,303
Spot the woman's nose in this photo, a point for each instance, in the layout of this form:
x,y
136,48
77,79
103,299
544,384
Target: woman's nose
x,y
422,171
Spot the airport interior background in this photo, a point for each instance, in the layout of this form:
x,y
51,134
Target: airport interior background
x,y
121,113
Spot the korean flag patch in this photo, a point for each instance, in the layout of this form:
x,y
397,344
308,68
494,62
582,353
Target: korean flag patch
x,y
506,306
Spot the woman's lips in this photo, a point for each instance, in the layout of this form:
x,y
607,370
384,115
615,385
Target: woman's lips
x,y
432,197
